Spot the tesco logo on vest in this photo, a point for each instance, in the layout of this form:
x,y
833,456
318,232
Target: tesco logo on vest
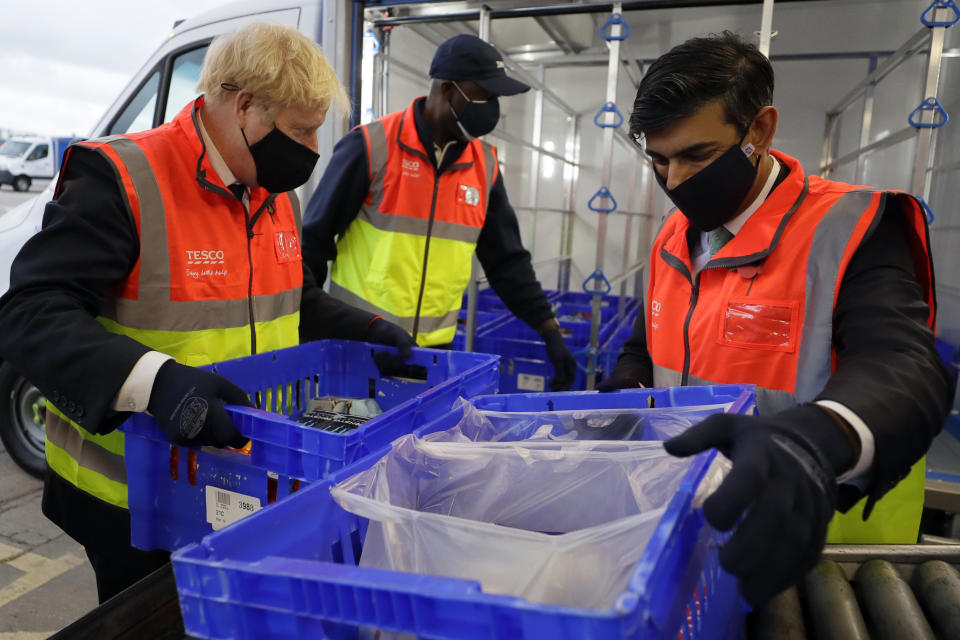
x,y
205,256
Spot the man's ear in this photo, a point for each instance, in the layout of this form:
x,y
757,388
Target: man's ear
x,y
243,107
763,129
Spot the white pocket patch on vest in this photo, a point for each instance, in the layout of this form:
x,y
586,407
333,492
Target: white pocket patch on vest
x,y
469,195
225,507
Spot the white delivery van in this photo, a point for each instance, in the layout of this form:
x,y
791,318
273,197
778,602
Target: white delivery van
x,y
25,158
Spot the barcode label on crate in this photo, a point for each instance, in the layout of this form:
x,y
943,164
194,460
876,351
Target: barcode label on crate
x,y
226,507
527,382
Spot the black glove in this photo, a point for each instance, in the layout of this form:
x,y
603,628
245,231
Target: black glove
x,y
188,405
382,332
564,364
622,377
783,479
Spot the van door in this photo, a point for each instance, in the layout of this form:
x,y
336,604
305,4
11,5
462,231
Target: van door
x,y
39,161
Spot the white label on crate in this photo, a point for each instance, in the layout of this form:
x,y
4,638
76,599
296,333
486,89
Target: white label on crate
x,y
226,507
528,382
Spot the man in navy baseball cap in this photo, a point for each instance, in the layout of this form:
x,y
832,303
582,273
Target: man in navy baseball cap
x,y
407,200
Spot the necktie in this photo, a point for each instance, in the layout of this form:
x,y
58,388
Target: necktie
x,y
717,238
237,190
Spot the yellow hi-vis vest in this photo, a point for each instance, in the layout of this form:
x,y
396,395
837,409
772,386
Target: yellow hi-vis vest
x,y
203,288
407,255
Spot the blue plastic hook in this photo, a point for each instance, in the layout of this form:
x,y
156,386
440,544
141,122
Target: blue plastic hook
x,y
926,16
602,192
590,352
597,275
616,19
609,107
930,104
927,211
369,34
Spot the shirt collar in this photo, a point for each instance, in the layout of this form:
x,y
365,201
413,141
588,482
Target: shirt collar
x,y
438,153
734,226
216,160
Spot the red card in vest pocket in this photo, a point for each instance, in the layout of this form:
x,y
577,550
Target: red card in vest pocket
x,y
759,323
287,246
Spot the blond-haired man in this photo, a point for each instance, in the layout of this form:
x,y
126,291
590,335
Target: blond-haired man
x,y
164,250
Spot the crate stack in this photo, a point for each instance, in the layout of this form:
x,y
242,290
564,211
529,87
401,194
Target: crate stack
x,y
524,365
293,571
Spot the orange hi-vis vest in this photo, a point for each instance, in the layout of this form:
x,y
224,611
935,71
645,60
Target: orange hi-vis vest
x,y
761,310
213,280
408,254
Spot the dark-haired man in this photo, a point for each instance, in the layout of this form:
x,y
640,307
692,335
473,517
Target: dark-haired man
x,y
818,292
406,200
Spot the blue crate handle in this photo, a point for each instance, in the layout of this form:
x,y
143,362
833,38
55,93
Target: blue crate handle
x,y
591,353
615,19
926,16
609,107
602,192
597,275
930,104
376,41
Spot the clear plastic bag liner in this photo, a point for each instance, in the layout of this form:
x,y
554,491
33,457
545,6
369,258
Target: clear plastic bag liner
x,y
555,522
593,424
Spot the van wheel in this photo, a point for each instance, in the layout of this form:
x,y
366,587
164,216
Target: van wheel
x,y
22,415
21,183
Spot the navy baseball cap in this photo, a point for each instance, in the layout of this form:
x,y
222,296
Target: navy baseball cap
x,y
467,57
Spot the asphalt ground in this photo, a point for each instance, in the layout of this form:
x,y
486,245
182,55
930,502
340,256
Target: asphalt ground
x,y
46,581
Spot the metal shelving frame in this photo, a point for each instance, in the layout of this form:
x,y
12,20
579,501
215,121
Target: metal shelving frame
x,y
435,26
929,40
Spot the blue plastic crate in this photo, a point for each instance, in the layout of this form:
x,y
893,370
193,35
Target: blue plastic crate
x,y
488,300
280,575
524,365
174,488
610,350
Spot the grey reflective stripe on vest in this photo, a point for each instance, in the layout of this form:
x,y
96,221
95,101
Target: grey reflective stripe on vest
x,y
199,315
157,312
295,205
490,164
830,240
86,453
378,162
418,226
428,324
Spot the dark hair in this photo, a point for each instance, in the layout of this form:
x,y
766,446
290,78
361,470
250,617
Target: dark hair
x,y
698,71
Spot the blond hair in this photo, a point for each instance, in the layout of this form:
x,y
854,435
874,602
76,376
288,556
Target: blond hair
x,y
279,65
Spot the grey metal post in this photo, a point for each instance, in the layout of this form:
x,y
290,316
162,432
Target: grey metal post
x,y
613,69
920,185
866,121
535,160
766,27
473,288
573,134
628,231
383,79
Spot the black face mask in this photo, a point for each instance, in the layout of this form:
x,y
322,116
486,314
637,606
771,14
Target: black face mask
x,y
712,196
476,118
282,163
